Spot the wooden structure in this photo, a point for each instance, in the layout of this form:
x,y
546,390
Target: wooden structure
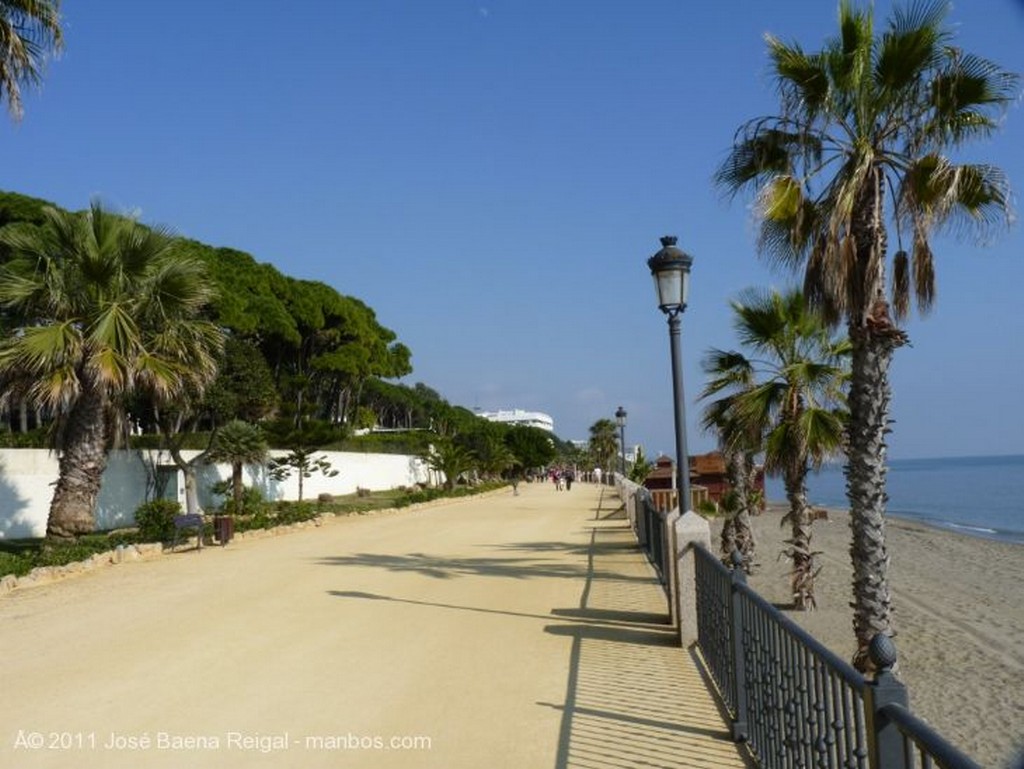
x,y
661,482
710,472
708,480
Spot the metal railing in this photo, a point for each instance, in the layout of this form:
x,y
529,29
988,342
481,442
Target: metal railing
x,y
652,535
794,702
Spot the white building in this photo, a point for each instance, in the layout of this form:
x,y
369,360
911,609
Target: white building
x,y
520,417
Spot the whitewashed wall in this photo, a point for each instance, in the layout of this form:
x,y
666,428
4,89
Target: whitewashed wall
x,y
27,477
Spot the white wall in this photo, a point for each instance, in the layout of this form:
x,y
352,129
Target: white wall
x,y
27,477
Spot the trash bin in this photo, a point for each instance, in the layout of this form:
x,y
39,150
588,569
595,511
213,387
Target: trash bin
x,y
223,528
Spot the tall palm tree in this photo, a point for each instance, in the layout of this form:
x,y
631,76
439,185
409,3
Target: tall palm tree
x,y
861,148
29,32
604,443
106,308
789,392
238,443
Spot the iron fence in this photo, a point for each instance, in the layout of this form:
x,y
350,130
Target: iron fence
x,y
794,702
652,535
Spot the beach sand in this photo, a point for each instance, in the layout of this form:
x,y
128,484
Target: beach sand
x,y
959,605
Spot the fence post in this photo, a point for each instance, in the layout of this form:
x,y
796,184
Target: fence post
x,y
672,565
641,520
690,528
739,577
885,743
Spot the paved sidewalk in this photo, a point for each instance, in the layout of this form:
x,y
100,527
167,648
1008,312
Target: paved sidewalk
x,y
635,698
507,631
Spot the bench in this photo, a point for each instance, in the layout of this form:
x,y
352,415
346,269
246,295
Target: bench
x,y
183,524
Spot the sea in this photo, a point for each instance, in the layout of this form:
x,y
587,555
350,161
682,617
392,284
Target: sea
x,y
978,496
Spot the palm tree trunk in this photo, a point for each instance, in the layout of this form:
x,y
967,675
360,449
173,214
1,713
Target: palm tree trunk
x,y
237,488
188,472
802,576
873,340
870,394
728,539
743,533
81,464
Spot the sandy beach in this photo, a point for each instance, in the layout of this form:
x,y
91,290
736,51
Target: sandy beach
x,y
959,617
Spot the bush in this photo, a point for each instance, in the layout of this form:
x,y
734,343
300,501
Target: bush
x,y
252,500
294,512
19,557
155,520
33,439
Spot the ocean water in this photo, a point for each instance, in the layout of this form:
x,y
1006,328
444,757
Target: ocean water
x,y
980,496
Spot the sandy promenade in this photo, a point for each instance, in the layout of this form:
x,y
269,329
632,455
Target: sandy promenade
x,y
502,631
960,623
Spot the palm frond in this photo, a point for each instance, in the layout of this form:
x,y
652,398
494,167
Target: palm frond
x,y
765,148
850,55
802,79
914,44
967,97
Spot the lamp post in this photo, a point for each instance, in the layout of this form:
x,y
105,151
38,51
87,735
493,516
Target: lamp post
x,y
670,268
620,420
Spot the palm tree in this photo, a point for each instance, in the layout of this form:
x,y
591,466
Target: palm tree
x,y
238,443
451,460
739,445
105,308
493,456
791,395
29,32
604,443
861,148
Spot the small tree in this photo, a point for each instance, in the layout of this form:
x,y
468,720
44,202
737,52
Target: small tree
x,y
238,443
451,460
304,462
641,467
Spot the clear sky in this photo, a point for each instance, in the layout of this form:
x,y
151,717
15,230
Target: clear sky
x,y
491,175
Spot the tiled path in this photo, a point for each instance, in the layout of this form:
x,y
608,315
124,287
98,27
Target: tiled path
x,y
634,698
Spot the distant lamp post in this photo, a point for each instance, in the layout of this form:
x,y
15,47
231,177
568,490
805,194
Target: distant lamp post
x,y
620,420
670,268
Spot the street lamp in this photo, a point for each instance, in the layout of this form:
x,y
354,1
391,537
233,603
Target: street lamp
x,y
670,268
620,420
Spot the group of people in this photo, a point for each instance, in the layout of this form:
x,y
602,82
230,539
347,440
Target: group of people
x,y
562,477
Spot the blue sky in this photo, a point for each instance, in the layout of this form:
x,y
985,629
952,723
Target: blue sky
x,y
491,177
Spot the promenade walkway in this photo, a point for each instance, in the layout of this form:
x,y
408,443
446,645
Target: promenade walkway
x,y
505,631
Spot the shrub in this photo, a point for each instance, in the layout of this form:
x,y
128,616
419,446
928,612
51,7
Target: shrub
x,y
155,520
294,512
19,557
252,500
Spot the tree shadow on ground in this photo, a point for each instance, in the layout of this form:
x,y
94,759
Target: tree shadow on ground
x,y
448,567
606,621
